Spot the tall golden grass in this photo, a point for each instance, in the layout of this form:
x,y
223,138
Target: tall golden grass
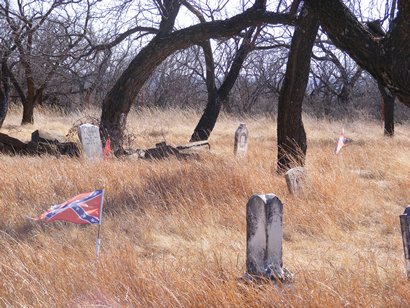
x,y
174,232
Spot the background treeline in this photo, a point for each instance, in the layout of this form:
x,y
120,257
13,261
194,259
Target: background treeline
x,y
69,54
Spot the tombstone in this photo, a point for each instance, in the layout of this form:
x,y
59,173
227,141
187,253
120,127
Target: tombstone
x,y
295,180
90,139
264,238
241,140
405,232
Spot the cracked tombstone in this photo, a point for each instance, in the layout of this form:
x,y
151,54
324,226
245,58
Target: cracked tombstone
x,y
241,140
405,232
91,141
264,235
295,180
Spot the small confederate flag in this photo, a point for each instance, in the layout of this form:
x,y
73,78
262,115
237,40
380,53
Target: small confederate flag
x,y
85,208
107,148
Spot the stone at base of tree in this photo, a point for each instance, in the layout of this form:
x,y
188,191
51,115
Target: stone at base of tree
x,y
296,180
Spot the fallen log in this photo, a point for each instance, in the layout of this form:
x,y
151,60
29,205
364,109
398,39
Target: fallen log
x,y
11,146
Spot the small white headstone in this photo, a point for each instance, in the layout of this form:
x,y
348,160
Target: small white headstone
x,y
90,139
241,140
295,180
264,237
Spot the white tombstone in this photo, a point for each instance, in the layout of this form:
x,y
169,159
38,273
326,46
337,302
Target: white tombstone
x,y
91,141
264,235
295,180
241,140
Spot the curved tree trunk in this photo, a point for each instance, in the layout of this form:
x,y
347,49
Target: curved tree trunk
x,y
291,133
118,101
387,58
217,97
208,119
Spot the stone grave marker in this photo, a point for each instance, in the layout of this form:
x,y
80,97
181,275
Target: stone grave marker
x,y
295,180
405,231
241,140
264,237
91,141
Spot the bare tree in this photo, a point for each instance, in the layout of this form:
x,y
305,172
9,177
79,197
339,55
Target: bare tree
x,y
386,59
292,144
117,103
44,35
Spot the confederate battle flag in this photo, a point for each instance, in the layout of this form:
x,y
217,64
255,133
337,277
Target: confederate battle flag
x,y
85,208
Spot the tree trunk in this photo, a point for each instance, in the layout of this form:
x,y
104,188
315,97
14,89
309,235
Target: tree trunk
x,y
291,133
207,122
28,112
4,105
118,101
4,92
387,58
217,97
388,110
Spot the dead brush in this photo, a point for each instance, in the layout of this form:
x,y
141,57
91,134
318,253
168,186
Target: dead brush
x,y
173,232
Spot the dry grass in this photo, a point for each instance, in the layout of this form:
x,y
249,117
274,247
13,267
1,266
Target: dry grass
x,y
173,232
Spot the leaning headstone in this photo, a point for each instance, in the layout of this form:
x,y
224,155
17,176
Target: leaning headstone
x,y
295,180
405,231
241,140
91,141
264,235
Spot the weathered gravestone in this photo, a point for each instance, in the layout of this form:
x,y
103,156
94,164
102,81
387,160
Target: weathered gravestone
x,y
241,140
405,231
264,238
295,180
90,139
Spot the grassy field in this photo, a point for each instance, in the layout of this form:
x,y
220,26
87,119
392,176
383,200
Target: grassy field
x,y
174,232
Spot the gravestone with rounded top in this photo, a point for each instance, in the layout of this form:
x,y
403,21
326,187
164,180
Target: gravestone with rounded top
x,y
241,140
91,141
295,180
264,235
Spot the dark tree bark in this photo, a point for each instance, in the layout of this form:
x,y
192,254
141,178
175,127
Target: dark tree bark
x,y
118,101
387,58
388,110
291,133
4,91
208,119
218,97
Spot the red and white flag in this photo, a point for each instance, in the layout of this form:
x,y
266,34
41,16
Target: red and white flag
x,y
85,208
340,142
107,148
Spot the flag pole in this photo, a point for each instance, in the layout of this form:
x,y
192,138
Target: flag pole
x,y
98,241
